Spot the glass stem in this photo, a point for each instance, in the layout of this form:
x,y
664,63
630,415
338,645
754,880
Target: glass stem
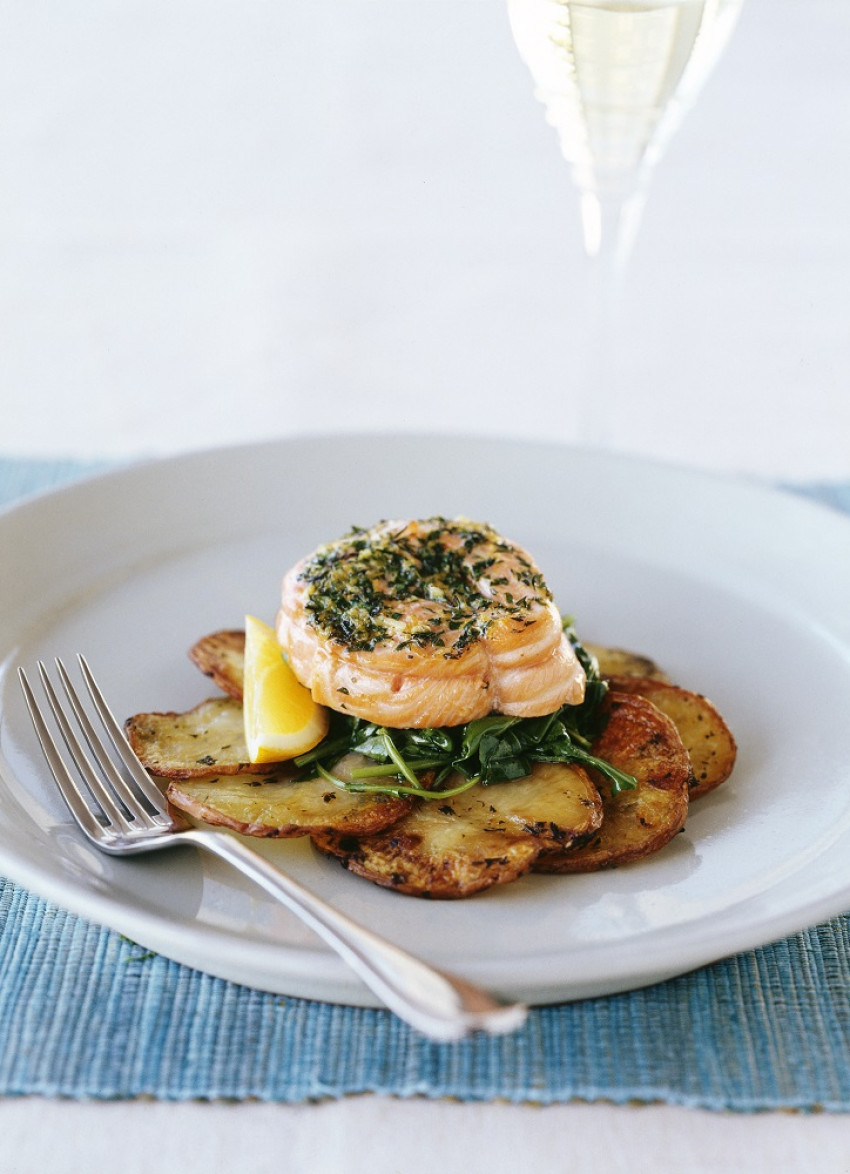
x,y
610,224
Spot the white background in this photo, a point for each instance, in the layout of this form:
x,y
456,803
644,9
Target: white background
x,y
225,221
236,219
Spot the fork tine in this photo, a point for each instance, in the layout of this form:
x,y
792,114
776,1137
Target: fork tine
x,y
65,781
102,795
136,810
119,740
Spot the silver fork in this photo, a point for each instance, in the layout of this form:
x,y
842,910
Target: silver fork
x,y
122,811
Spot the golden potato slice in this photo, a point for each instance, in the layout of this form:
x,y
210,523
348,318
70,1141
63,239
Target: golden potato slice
x,y
431,854
485,836
273,804
557,804
707,738
209,738
643,742
221,656
620,663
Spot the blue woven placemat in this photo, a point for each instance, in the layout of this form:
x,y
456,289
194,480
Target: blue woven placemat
x,y
86,1013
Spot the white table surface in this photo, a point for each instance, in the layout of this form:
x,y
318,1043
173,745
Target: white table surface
x,y
230,220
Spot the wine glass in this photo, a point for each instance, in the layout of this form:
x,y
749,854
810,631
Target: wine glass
x,y
616,78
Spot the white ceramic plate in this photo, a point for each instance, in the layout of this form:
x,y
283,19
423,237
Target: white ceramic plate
x,y
740,592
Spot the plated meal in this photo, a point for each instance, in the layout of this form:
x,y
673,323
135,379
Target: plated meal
x,y
425,714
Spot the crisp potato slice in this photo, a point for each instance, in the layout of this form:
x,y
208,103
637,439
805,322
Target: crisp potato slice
x,y
430,854
209,738
483,837
644,742
221,656
707,738
274,805
617,662
557,804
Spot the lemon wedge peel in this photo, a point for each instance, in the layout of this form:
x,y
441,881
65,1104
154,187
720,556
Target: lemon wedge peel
x,y
281,718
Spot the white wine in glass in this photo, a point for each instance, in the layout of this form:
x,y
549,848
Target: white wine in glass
x,y
616,77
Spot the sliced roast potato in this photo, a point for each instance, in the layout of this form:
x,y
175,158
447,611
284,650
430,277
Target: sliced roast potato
x,y
221,656
482,837
272,804
430,854
207,739
557,804
642,741
617,662
707,738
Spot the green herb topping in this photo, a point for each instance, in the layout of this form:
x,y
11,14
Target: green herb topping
x,y
429,584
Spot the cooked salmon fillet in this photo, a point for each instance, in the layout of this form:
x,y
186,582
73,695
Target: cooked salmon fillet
x,y
415,624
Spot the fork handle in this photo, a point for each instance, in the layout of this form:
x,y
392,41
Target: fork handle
x,y
438,1004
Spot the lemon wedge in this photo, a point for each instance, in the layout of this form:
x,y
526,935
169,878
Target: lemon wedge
x,y
281,718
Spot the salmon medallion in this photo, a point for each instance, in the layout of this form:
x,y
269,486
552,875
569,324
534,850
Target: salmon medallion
x,y
427,623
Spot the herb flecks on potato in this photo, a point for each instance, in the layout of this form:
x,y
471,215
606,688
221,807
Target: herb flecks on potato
x,y
209,739
274,804
644,742
557,804
485,836
434,853
707,738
